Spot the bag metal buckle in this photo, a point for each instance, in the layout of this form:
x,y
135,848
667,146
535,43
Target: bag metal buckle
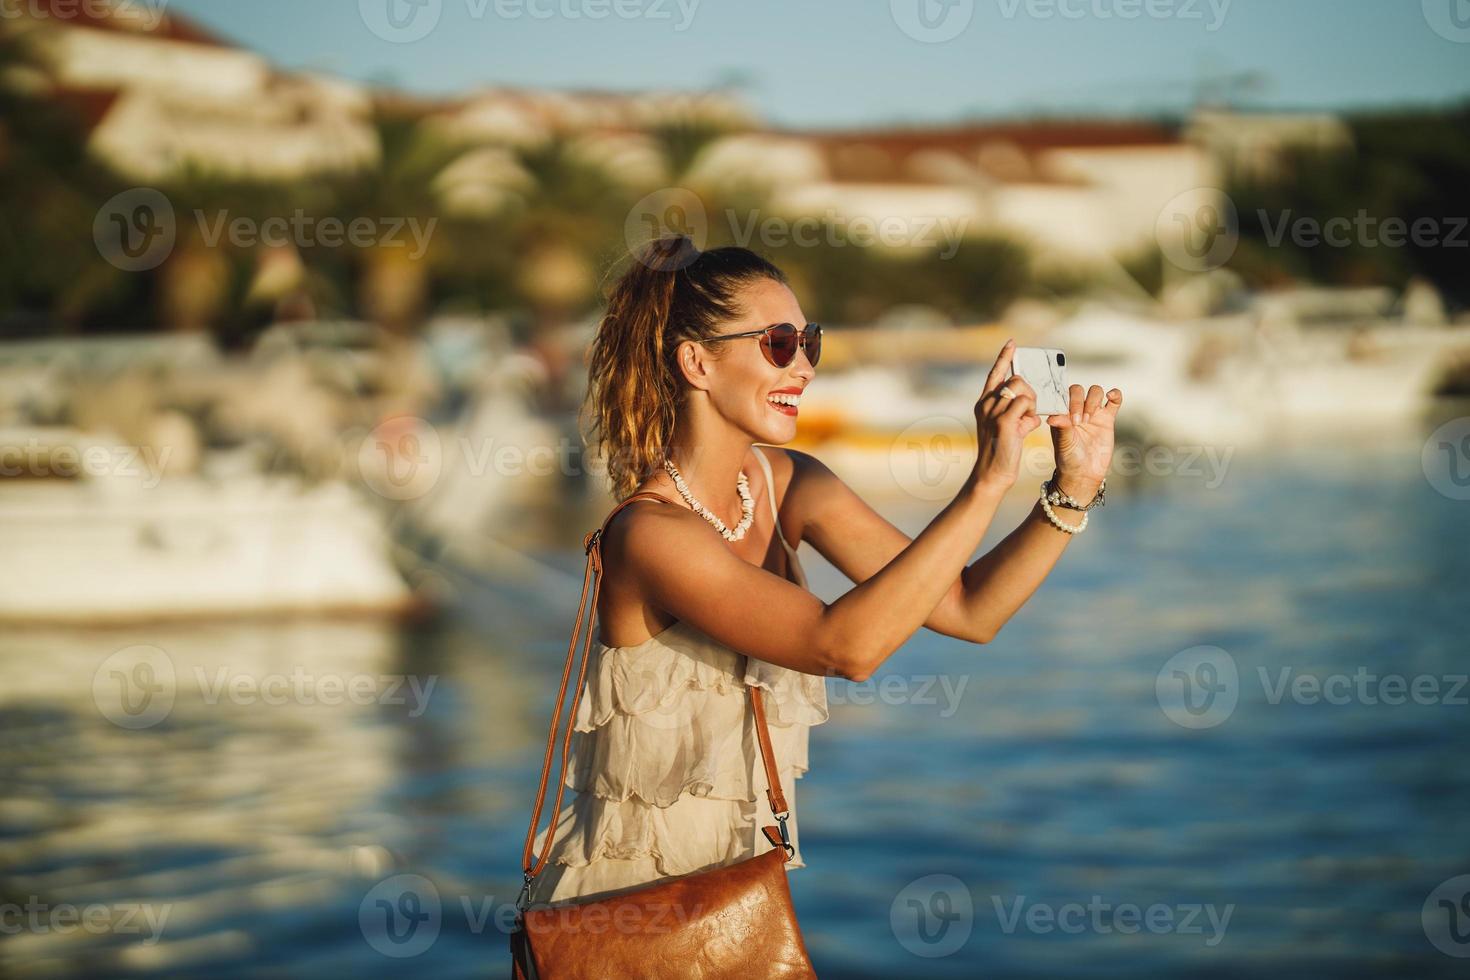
x,y
785,836
523,900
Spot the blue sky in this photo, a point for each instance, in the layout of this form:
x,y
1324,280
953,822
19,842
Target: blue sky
x,y
852,62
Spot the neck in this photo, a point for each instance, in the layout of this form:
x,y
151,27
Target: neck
x,y
710,458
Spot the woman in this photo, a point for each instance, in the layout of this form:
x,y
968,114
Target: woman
x,y
702,593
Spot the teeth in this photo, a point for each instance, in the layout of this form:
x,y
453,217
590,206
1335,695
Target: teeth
x,y
792,400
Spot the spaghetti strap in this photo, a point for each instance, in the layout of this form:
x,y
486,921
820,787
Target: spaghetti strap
x,y
771,495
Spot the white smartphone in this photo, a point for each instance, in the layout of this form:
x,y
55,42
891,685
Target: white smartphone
x,y
1045,369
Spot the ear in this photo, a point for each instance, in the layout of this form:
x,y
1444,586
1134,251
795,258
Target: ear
x,y
695,364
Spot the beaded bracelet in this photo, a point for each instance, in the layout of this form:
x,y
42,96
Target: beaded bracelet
x,y
1051,516
1058,498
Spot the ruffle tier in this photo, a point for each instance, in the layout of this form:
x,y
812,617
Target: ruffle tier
x,y
667,766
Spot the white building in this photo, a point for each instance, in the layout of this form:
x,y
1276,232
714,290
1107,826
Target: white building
x,y
1089,189
162,94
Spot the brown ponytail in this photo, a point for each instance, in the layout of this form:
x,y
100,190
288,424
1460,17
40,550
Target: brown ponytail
x,y
672,292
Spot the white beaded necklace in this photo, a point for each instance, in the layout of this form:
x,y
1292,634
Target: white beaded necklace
x,y
747,504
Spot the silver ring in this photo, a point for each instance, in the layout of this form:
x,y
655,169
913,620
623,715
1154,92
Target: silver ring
x,y
1006,393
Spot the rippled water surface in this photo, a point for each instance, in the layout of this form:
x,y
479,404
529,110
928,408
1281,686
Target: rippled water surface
x,y
1026,808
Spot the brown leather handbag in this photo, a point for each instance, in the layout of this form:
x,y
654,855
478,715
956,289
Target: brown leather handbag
x,y
732,921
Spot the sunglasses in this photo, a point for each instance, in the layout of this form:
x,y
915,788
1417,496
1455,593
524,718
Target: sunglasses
x,y
779,342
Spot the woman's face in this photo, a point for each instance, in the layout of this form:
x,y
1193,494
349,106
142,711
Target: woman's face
x,y
741,381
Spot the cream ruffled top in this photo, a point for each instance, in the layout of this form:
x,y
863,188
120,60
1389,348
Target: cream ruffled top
x,y
666,766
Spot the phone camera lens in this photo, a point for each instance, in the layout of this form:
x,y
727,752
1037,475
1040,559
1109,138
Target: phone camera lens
x,y
1061,360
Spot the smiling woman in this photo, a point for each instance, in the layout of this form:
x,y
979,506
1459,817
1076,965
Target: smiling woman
x,y
691,711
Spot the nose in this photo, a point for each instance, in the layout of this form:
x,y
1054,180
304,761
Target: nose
x,y
801,366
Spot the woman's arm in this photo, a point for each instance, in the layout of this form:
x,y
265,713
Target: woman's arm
x,y
859,542
987,593
684,569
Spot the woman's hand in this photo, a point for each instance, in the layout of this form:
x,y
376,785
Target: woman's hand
x,y
1002,424
1083,439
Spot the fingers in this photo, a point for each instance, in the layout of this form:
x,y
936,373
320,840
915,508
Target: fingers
x,y
1093,401
1000,370
1021,405
1082,406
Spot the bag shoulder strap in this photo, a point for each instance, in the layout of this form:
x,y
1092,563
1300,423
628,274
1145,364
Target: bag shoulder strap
x,y
775,796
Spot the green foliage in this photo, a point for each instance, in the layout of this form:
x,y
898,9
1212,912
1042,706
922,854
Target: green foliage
x,y
1410,166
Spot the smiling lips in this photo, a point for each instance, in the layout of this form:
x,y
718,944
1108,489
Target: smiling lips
x,y
785,401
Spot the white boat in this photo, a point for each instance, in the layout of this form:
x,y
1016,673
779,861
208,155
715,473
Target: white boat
x,y
94,532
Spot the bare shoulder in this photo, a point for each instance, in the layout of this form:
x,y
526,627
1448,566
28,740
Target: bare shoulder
x,y
654,537
802,483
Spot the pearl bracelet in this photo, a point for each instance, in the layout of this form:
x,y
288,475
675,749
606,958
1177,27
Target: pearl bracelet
x,y
1051,516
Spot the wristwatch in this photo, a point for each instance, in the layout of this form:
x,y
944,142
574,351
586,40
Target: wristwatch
x,y
1057,498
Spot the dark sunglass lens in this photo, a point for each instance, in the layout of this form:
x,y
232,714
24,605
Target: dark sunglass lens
x,y
814,343
783,343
